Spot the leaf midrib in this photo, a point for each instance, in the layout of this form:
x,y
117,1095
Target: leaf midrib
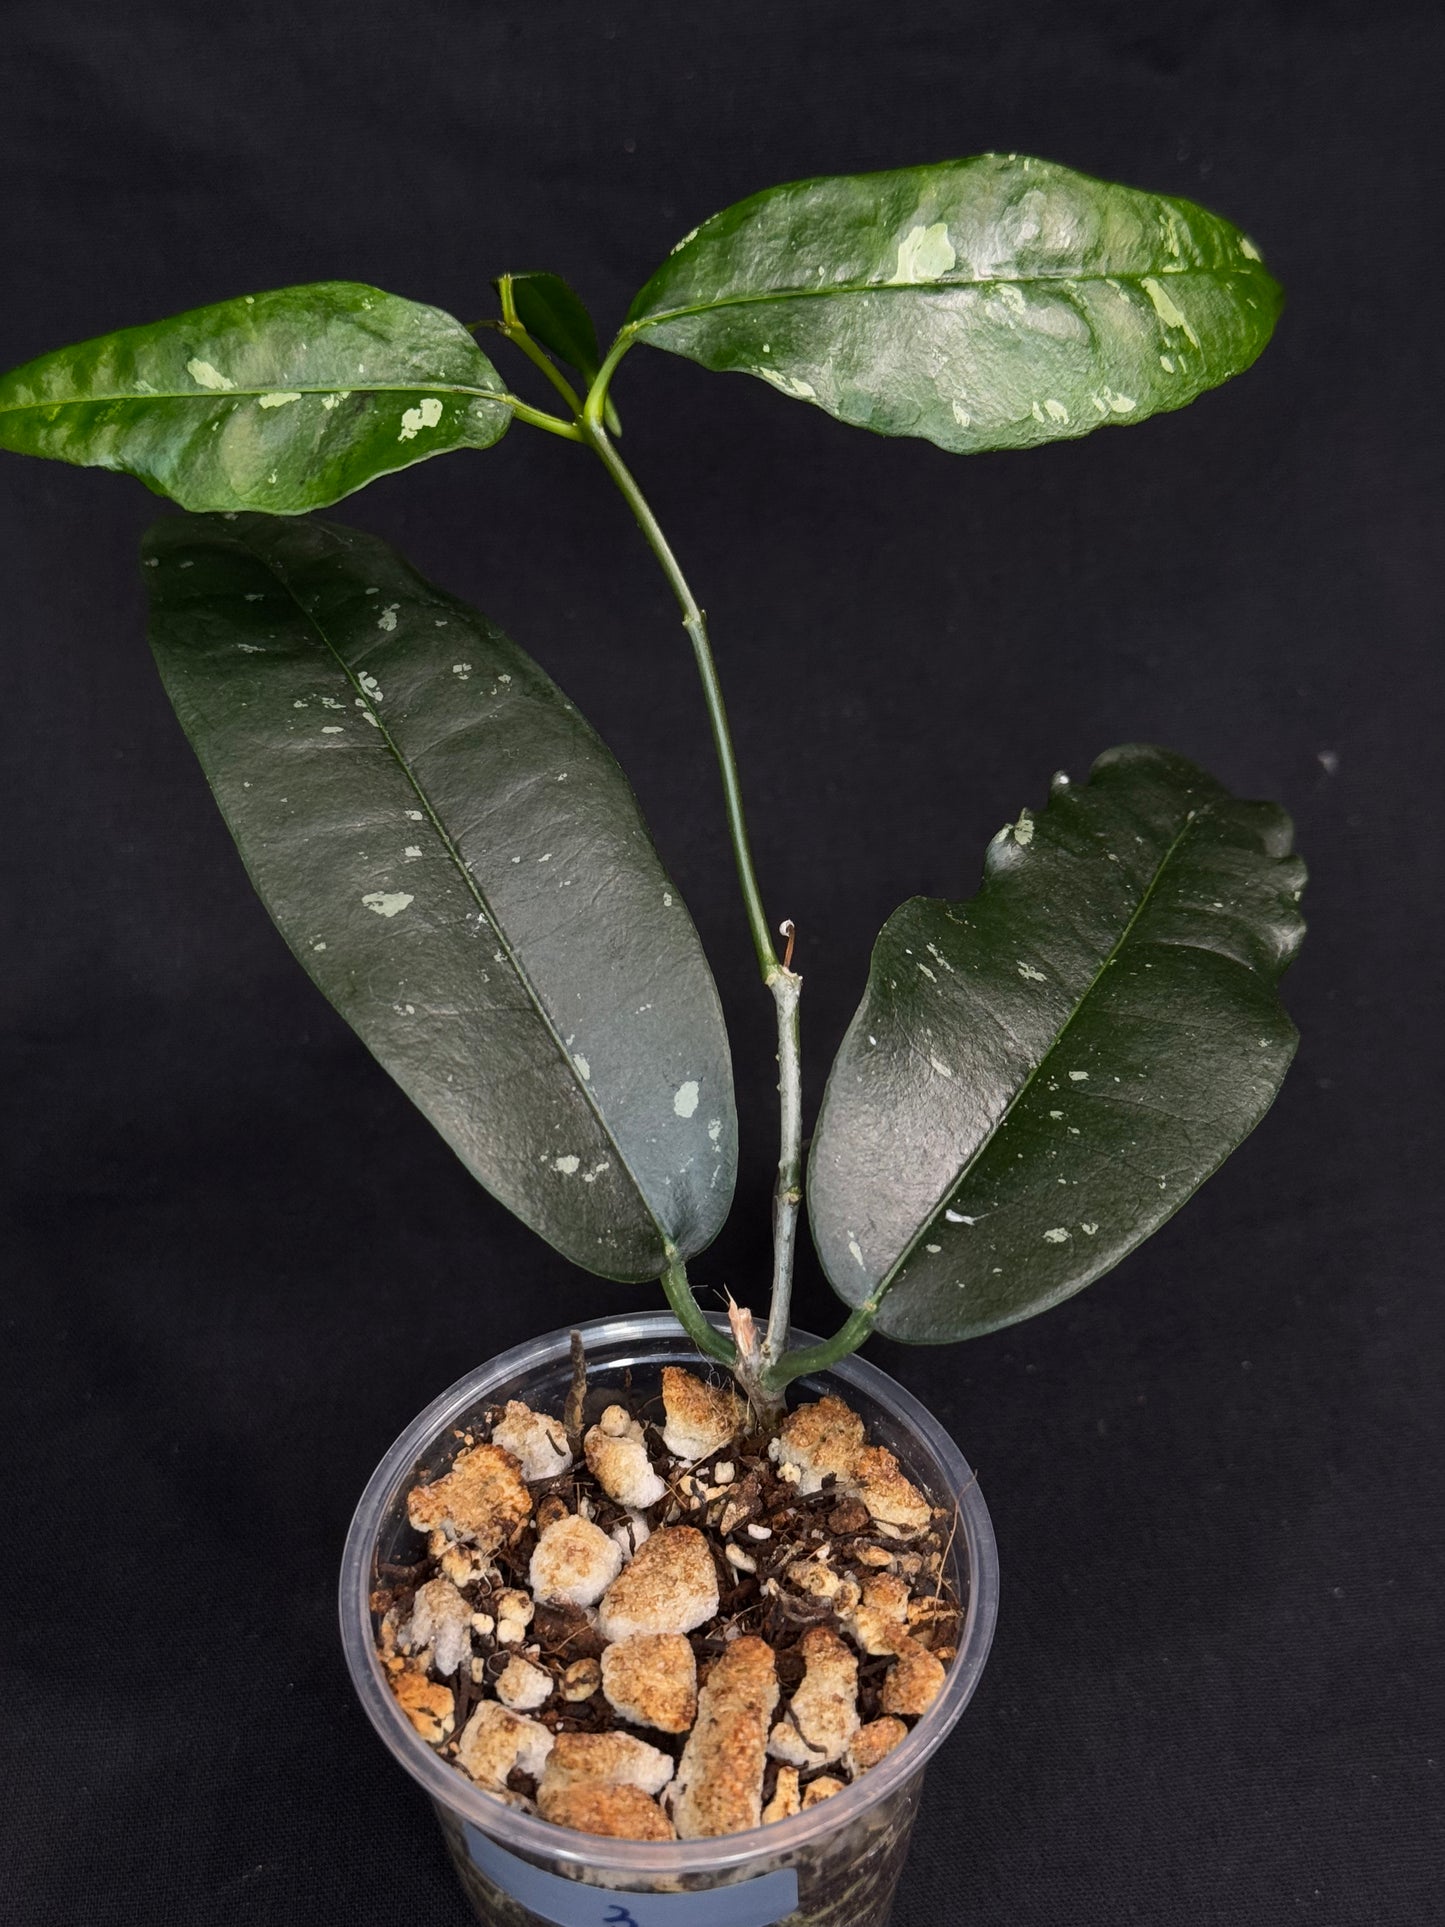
x,y
838,289
214,395
886,1284
478,895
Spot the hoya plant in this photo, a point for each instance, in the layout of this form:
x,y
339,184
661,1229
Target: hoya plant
x,y
1036,1076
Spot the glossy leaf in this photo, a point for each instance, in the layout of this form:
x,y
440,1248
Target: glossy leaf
x,y
989,303
283,401
1038,1077
461,867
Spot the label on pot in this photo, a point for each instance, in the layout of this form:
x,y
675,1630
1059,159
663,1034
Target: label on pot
x,y
750,1903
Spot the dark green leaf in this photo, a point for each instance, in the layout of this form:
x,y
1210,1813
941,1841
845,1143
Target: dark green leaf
x,y
987,303
461,867
283,401
553,313
1038,1077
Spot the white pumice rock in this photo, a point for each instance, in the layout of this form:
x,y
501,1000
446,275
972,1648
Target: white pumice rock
x,y
823,1788
880,1626
574,1563
739,1560
504,1796
651,1680
620,1464
523,1687
495,1741
442,1620
538,1443
927,1611
879,1623
483,1500
514,1611
464,1565
582,1679
824,1707
818,1580
719,1786
619,1812
629,1533
700,1418
914,1680
670,1587
872,1743
786,1800
785,1742
819,1440
892,1500
888,1594
606,1759
876,1556
429,1706
618,1423
484,1624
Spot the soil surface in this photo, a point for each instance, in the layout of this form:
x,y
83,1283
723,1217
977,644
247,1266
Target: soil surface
x,y
761,1632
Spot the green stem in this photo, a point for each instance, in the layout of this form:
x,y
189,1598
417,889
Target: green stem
x,y
513,329
768,1369
709,1341
695,624
787,988
817,1358
539,418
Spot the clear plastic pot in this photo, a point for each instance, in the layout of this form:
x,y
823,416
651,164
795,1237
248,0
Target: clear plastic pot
x,y
833,1866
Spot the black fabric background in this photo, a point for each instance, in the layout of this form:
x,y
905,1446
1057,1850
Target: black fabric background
x,y
239,1261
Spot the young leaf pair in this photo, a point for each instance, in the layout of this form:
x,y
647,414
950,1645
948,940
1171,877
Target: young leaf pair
x,y
1035,1078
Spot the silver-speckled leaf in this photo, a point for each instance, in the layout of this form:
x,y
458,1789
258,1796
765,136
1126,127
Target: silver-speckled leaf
x,y
461,867
995,302
283,401
1038,1077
